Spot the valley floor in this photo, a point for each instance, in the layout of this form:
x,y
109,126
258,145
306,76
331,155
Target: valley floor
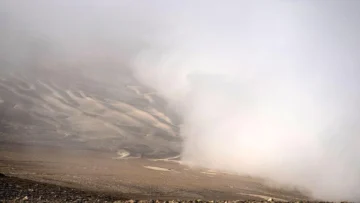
x,y
49,173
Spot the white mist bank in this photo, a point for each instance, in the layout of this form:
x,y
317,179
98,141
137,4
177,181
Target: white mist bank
x,y
265,88
269,90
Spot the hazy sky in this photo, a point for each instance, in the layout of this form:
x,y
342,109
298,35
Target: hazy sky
x,y
268,88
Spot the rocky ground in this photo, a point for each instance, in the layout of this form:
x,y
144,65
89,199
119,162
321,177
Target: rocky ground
x,y
14,189
18,190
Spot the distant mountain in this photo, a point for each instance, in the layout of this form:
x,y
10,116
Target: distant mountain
x,y
86,108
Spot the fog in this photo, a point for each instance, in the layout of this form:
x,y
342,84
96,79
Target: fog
x,y
265,88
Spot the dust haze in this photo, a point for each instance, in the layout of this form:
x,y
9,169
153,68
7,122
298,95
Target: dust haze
x,y
263,88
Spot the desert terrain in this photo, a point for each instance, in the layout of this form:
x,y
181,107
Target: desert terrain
x,y
104,138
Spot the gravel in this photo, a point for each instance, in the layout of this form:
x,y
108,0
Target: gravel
x,y
13,189
22,190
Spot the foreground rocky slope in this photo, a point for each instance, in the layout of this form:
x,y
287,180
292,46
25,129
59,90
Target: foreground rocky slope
x,y
14,189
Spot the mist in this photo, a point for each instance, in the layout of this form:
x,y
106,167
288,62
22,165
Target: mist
x,y
264,88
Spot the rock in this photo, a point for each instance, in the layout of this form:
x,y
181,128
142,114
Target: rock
x,y
79,200
2,175
270,200
25,198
